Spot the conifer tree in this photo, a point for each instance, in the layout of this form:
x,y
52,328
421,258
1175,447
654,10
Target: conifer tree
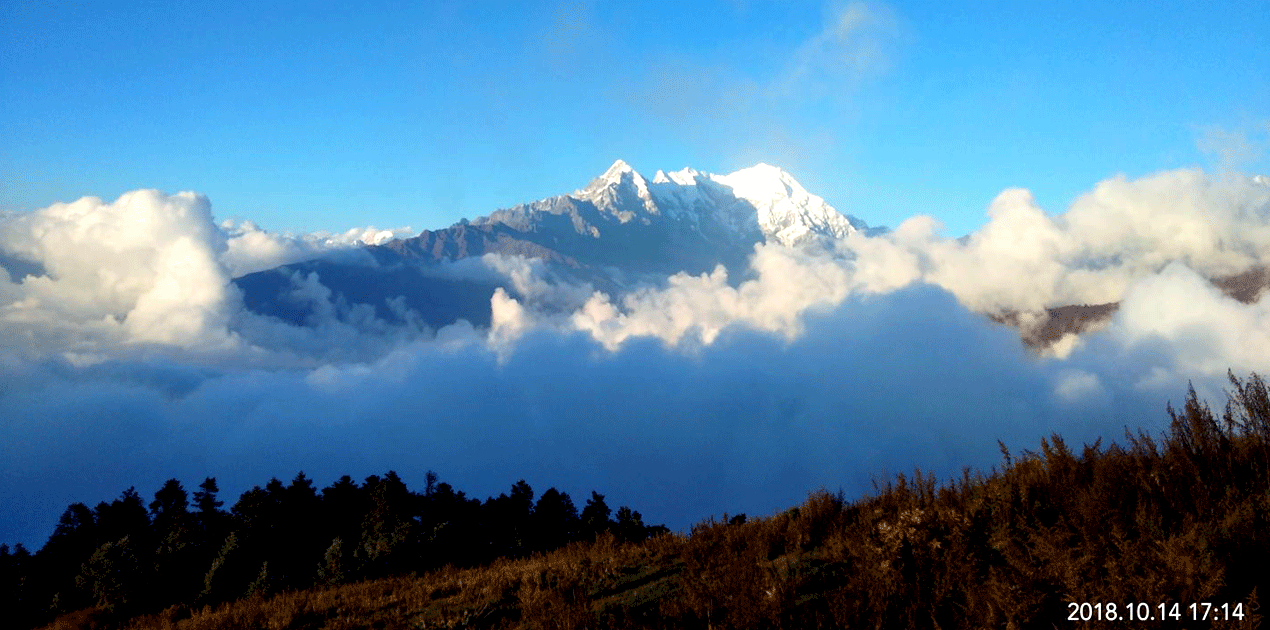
x,y
209,515
555,520
630,525
175,545
595,516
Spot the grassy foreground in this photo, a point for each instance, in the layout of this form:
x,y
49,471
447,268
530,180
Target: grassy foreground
x,y
1180,519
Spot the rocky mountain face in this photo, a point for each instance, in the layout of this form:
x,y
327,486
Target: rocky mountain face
x,y
618,230
681,221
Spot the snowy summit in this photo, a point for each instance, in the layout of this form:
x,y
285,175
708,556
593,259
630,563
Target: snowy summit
x,y
683,221
761,196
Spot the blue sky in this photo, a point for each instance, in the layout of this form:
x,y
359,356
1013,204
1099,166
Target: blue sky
x,y
313,116
133,358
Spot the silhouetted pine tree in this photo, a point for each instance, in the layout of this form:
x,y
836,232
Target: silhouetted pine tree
x,y
257,535
176,568
506,521
595,516
125,516
555,520
57,563
343,509
630,525
300,539
15,592
451,528
212,521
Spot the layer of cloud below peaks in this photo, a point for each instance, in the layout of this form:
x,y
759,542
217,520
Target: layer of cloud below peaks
x,y
250,249
749,423
129,358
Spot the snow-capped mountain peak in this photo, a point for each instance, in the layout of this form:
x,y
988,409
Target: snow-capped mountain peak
x,y
617,170
684,177
616,174
786,211
762,181
609,191
759,200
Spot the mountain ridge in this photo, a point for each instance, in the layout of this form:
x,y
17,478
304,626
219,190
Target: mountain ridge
x,y
732,212
617,232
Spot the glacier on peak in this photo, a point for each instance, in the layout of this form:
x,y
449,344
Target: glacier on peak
x,y
608,190
786,211
619,171
761,196
684,177
619,232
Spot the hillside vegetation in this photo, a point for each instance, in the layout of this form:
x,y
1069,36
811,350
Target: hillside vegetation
x,y
1182,518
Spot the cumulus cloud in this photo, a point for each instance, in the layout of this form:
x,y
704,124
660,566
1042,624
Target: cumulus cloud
x,y
250,249
143,268
93,279
128,356
788,282
1027,259
1182,327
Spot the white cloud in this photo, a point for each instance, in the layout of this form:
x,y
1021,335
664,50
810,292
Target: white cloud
x,y
143,268
1204,331
155,269
1077,385
855,42
133,359
1026,259
151,272
695,309
251,249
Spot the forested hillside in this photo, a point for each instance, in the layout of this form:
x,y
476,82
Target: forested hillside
x,y
131,557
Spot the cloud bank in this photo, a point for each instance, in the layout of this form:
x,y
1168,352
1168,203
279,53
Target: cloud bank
x,y
149,272
1110,238
128,356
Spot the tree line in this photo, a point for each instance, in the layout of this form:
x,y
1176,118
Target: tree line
x,y
130,556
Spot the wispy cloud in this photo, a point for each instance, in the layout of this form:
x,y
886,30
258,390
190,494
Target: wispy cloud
x,y
858,41
1235,148
771,112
